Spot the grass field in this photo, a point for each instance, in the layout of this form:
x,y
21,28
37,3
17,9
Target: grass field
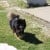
x,y
34,39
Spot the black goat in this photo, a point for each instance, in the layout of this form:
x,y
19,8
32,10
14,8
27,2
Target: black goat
x,y
17,24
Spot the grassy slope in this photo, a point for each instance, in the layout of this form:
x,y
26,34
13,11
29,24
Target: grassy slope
x,y
6,35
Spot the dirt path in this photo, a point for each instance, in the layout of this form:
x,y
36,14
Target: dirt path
x,y
42,12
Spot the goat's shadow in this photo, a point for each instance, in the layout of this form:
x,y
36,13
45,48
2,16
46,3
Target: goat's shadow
x,y
31,38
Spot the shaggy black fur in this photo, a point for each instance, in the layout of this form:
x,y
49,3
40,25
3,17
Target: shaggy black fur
x,y
18,25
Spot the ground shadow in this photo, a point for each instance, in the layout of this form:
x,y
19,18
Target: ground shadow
x,y
31,38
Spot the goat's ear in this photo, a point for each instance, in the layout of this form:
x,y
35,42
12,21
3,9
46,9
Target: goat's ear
x,y
14,15
24,20
17,16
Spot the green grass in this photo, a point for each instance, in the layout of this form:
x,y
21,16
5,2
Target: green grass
x,y
6,35
18,3
2,8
